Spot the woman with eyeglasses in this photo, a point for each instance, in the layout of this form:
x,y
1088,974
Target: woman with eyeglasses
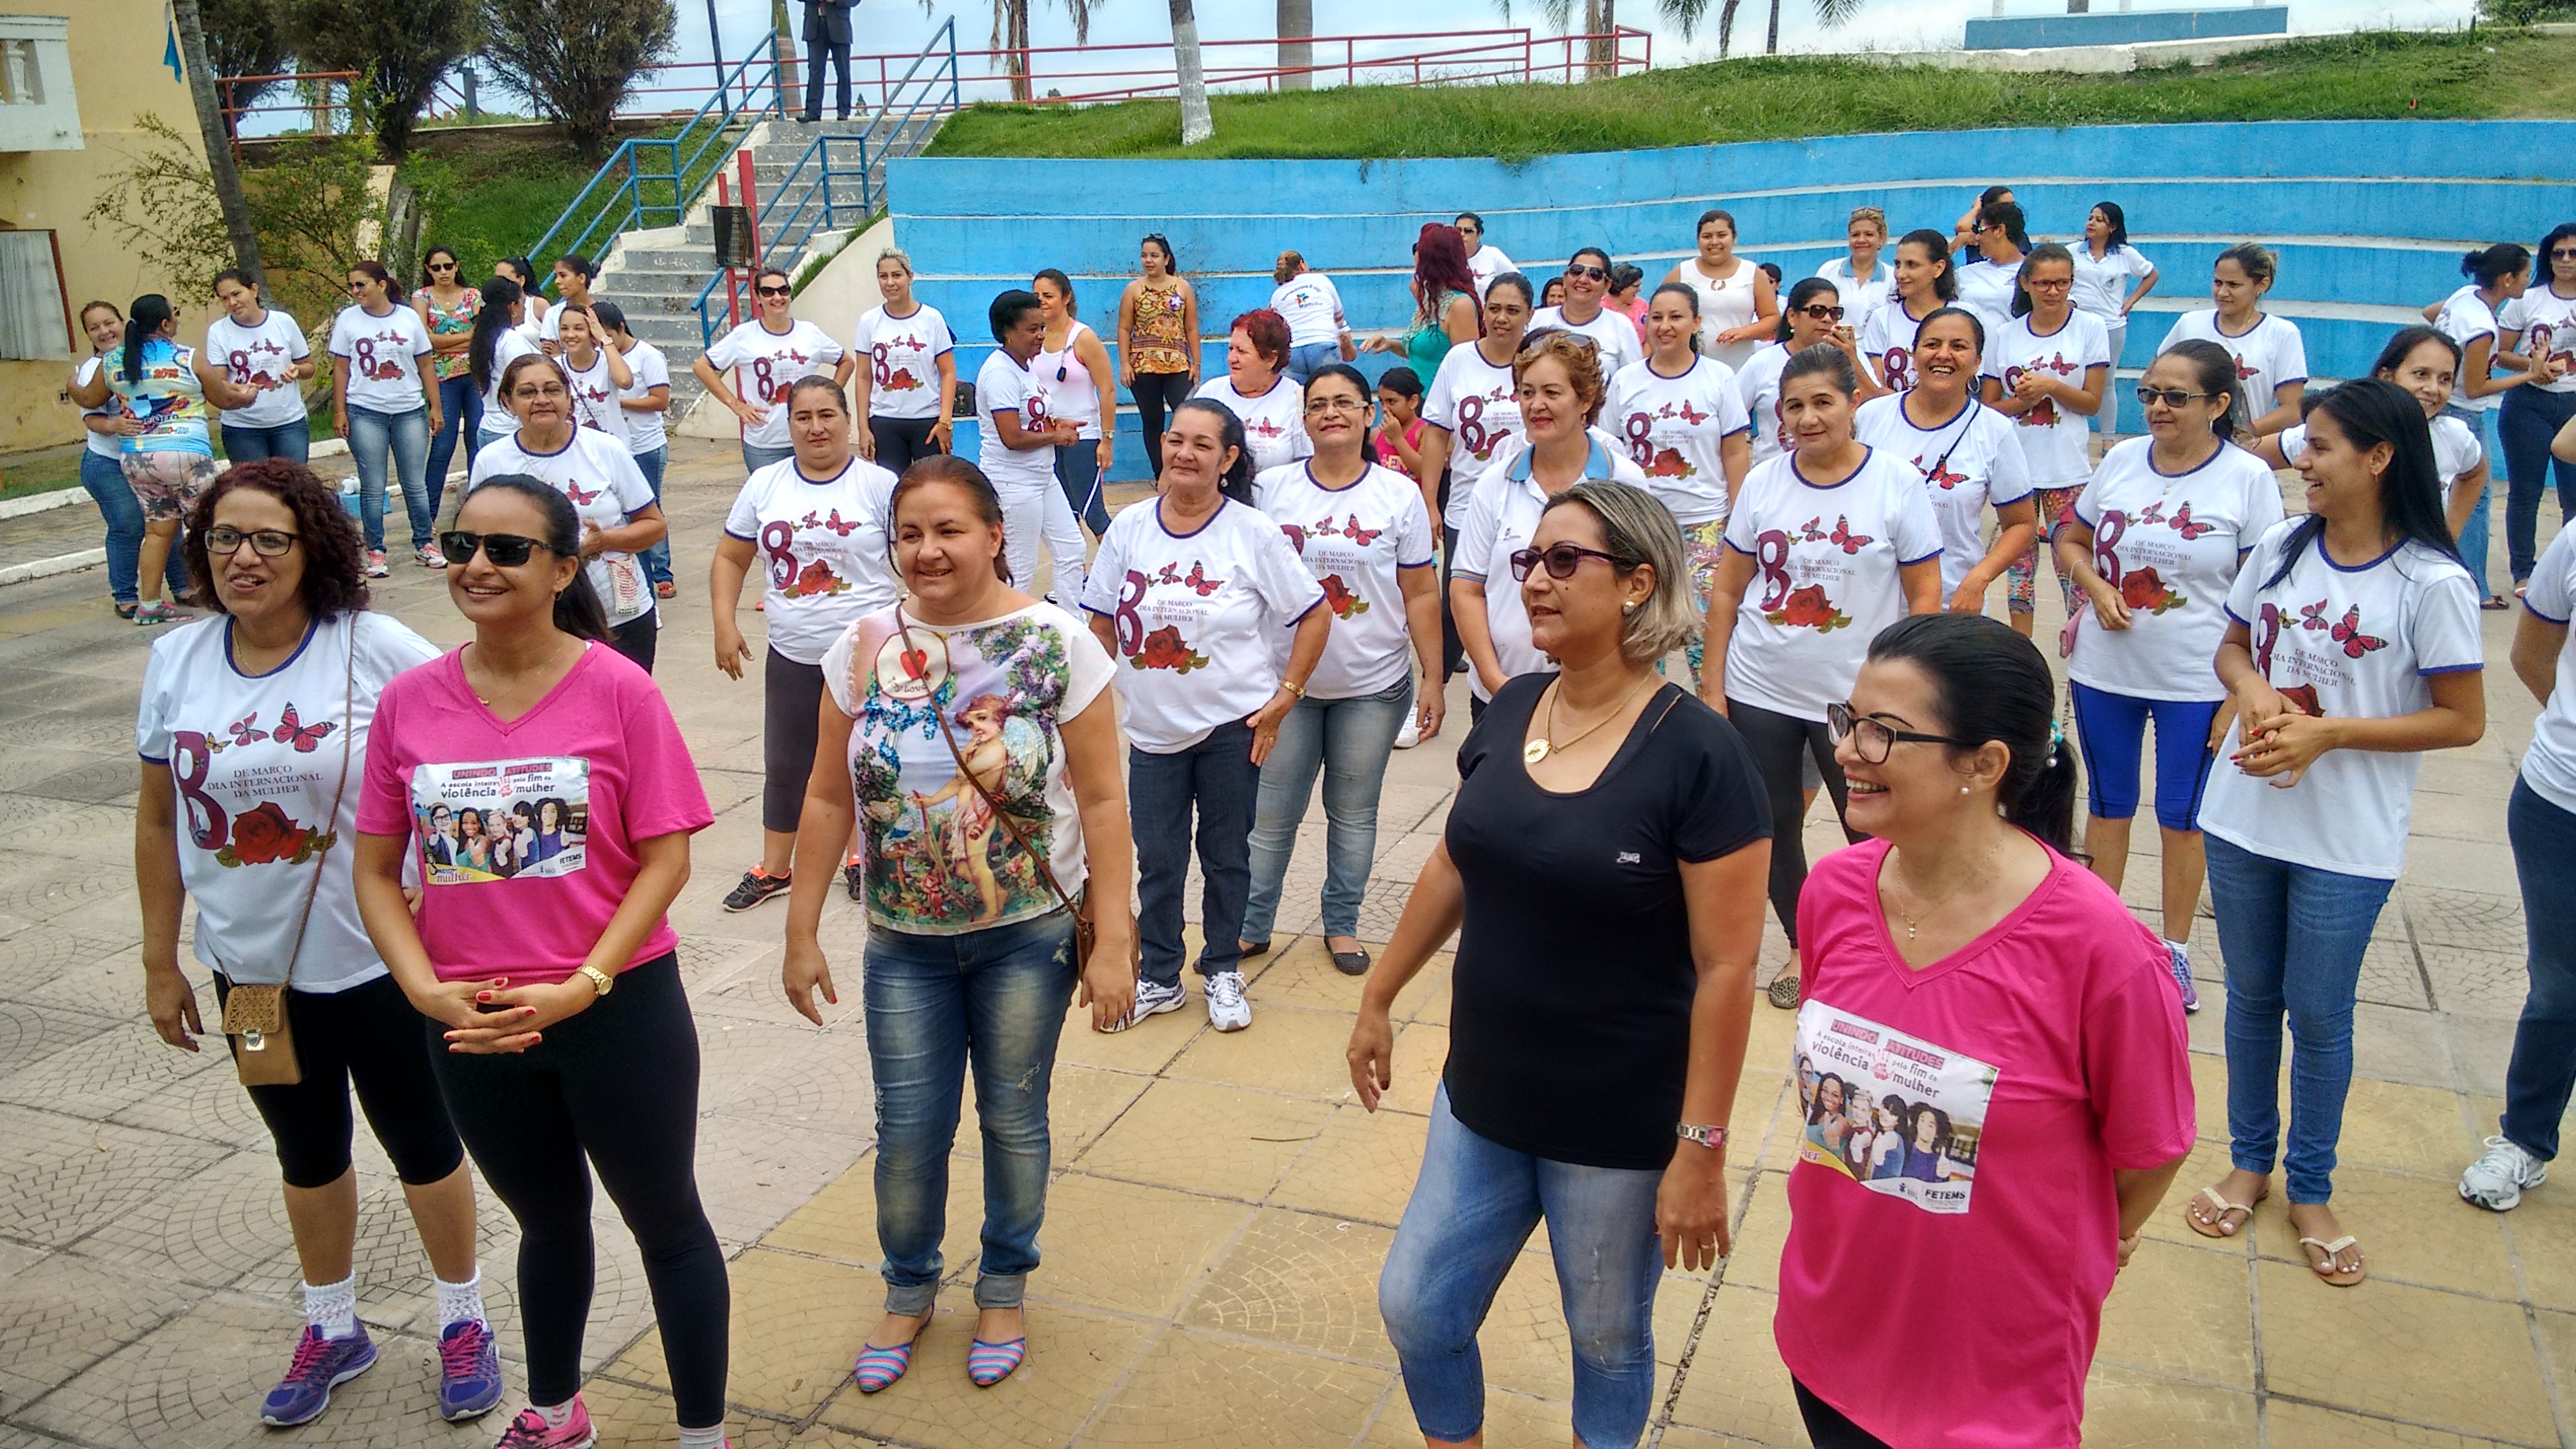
x,y
2271,358
255,733
1158,341
1072,368
1778,655
906,385
447,310
1361,529
1860,274
263,349
1257,389
816,526
2007,1002
2105,264
1445,312
385,401
767,355
2352,647
1472,415
1221,628
1965,452
1683,420
1603,816
1990,280
619,518
1021,438
2540,325
1560,390
2490,371
2155,542
1926,279
1587,287
2047,370
1739,306
573,1051
496,341
1814,313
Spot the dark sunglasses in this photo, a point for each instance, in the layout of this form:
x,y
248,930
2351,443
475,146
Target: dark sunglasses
x,y
1586,269
1561,560
1823,313
775,291
2562,254
1874,738
506,550
442,266
2173,397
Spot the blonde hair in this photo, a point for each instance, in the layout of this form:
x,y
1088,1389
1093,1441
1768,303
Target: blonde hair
x,y
1637,530
899,257
1580,357
1868,214
1286,269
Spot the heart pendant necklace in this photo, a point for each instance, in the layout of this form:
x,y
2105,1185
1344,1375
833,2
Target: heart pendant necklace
x,y
1545,745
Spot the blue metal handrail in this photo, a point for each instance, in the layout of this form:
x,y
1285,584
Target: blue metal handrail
x,y
721,118
806,199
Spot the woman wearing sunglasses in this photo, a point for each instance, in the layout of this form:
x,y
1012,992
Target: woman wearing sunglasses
x,y
447,309
1583,311
579,1054
1073,370
619,518
1362,531
2017,1012
1603,816
969,700
232,708
1841,543
2047,370
1560,388
1739,304
2154,542
1965,452
1814,313
2271,358
1682,417
2352,647
905,385
766,356
1926,278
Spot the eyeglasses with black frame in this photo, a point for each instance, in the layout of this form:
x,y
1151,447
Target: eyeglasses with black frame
x,y
506,550
1873,738
223,541
1561,560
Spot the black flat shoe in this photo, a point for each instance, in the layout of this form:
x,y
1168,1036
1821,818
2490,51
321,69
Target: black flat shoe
x,y
1259,948
1351,963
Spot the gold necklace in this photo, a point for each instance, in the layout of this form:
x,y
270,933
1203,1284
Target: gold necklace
x,y
1910,918
1545,745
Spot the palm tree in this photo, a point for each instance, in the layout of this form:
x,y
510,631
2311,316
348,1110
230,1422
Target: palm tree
x,y
1296,44
1688,13
1196,125
1011,33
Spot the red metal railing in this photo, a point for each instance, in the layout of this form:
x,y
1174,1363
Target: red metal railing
x,y
322,98
1054,75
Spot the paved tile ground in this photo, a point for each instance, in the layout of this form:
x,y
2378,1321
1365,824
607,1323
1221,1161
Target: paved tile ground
x,y
1222,1205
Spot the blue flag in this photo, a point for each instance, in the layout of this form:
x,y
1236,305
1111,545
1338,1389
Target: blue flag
x,y
170,52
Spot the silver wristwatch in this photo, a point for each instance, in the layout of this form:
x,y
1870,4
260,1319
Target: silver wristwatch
x,y
1713,1138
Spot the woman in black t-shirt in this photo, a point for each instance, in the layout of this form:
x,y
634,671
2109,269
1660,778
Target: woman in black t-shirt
x,y
1606,856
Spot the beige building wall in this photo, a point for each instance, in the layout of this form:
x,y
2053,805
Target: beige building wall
x,y
116,49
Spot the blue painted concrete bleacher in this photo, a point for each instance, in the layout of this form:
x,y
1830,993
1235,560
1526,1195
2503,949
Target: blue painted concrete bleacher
x,y
2123,27
2370,217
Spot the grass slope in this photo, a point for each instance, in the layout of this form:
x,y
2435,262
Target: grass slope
x,y
2369,75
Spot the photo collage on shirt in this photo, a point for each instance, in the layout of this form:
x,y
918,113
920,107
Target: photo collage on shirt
x,y
1895,1113
496,820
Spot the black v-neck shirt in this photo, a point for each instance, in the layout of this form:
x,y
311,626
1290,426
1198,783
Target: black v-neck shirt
x,y
1570,1025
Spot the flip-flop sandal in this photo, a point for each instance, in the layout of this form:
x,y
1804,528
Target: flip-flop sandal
x,y
990,1363
2326,1270
878,1368
2494,602
2211,1229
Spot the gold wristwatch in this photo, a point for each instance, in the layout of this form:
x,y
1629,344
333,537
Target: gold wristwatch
x,y
600,981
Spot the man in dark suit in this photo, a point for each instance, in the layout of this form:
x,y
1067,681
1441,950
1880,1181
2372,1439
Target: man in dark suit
x,y
827,33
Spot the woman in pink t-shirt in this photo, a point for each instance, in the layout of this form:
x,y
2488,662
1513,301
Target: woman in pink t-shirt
x,y
552,969
1995,1006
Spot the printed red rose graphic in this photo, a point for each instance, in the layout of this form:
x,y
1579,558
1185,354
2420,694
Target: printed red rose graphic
x,y
816,579
1670,464
2303,697
1163,649
902,381
266,834
1808,608
2142,589
1343,602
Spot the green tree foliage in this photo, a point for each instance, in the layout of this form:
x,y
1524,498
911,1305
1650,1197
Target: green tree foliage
x,y
577,58
248,37
401,49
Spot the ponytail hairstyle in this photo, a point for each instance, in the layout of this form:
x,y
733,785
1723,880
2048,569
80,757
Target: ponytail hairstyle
x,y
1801,295
608,317
1063,284
2491,265
1007,310
1401,380
143,321
1171,262
580,266
2215,371
2118,236
491,319
1936,248
957,472
233,274
2256,260
375,269
2044,252
577,608
1691,294
1237,482
2007,214
522,271
2371,411
1990,683
2402,345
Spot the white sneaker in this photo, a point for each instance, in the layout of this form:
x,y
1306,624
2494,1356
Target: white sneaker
x,y
1152,999
430,557
2496,1180
375,563
1226,1008
1411,735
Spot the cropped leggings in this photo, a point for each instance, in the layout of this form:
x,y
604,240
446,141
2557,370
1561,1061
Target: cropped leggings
x,y
365,1036
790,706
617,1084
1779,742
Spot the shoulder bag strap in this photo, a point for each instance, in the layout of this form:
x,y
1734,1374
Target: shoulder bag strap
x,y
968,775
348,746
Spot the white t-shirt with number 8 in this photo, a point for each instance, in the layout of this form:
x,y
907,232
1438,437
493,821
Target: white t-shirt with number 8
x,y
766,364
823,544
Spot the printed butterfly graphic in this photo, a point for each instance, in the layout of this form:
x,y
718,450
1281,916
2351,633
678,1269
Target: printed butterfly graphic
x,y
2183,524
1941,477
2348,633
838,527
1362,536
1199,582
1845,539
1171,574
1808,532
246,730
579,498
293,731
1296,536
2244,371
2152,513
1691,415
2313,616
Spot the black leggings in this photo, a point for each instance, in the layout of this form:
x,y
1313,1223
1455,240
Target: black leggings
x,y
619,1083
1776,741
636,639
791,697
367,1036
1157,394
901,441
1828,1427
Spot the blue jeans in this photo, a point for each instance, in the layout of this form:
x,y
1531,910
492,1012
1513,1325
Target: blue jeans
x,y
1305,358
291,441
1217,778
755,459
657,559
1473,1208
460,414
2473,537
2525,424
995,998
2543,1070
403,438
1077,471
1349,740
2293,937
105,480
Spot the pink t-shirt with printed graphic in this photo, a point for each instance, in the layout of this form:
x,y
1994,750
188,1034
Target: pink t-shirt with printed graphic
x,y
1953,1220
598,765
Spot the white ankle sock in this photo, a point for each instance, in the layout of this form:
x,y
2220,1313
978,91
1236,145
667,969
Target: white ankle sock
x,y
703,1438
460,1302
333,1307
559,1415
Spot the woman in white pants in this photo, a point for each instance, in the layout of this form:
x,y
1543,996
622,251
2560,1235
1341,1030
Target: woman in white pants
x,y
1019,439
